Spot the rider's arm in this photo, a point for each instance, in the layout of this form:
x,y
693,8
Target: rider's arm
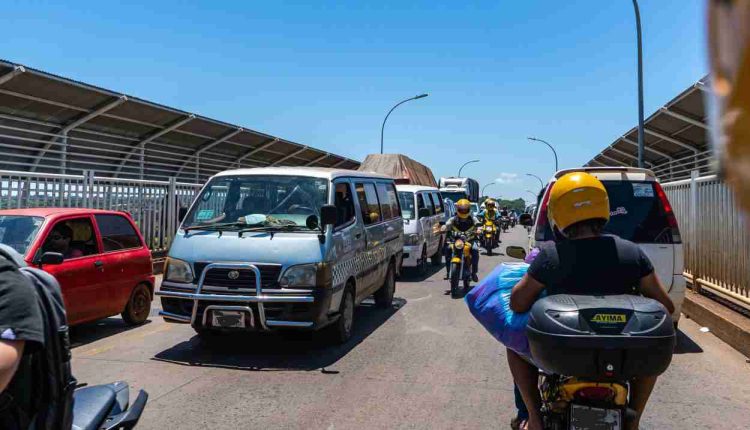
x,y
11,352
524,293
651,287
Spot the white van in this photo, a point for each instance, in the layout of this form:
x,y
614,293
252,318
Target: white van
x,y
423,211
639,212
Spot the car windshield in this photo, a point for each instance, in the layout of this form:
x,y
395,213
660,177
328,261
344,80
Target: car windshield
x,y
19,231
474,208
237,202
406,198
636,214
455,196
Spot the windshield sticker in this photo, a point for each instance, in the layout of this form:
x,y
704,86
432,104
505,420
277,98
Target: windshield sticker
x,y
643,190
204,214
619,211
255,219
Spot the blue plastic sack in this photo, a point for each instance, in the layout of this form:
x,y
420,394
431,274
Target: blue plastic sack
x,y
489,302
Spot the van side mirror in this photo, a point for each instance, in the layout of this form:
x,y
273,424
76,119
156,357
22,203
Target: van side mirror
x,y
328,215
423,213
181,214
515,252
51,258
526,219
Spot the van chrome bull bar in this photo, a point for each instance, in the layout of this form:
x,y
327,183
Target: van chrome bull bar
x,y
259,298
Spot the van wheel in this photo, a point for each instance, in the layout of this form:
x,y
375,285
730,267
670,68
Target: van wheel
x,y
139,306
422,265
341,331
437,257
384,296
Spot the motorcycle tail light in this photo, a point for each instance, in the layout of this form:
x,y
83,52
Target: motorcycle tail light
x,y
595,393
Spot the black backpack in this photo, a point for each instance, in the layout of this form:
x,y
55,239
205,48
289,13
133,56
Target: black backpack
x,y
52,373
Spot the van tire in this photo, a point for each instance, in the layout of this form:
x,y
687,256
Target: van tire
x,y
341,331
384,296
138,308
437,257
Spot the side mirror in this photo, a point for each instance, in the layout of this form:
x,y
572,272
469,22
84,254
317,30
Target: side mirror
x,y
526,219
181,214
51,258
328,215
515,252
423,213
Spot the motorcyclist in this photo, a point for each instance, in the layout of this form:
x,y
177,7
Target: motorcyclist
x,y
490,213
504,211
584,262
463,223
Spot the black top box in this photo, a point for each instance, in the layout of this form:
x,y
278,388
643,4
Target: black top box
x,y
610,337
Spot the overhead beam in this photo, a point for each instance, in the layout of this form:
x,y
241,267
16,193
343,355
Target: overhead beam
x,y
622,163
319,159
142,144
293,154
262,146
598,162
340,163
670,139
652,150
12,74
208,146
683,117
72,125
625,154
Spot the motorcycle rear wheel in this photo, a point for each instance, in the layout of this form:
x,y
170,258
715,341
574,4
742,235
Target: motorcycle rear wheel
x,y
455,279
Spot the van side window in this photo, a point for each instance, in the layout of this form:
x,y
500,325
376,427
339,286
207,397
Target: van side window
x,y
393,197
437,202
428,203
368,203
420,202
344,202
385,203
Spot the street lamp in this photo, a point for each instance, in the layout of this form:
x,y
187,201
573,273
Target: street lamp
x,y
640,83
532,193
541,183
550,147
421,96
491,183
462,166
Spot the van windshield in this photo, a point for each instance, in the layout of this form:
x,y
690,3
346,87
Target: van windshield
x,y
636,213
19,231
258,201
406,199
455,196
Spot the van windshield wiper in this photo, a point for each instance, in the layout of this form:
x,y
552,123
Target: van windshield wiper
x,y
274,228
216,227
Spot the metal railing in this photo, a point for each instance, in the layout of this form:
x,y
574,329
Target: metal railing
x,y
152,204
715,237
682,168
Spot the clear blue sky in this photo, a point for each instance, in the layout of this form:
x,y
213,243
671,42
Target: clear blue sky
x,y
325,73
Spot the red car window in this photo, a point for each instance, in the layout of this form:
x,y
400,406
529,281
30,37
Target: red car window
x,y
117,233
72,238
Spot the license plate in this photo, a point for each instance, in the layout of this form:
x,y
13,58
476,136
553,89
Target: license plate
x,y
587,418
228,319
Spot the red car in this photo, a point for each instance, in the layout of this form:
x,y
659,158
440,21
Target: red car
x,y
105,269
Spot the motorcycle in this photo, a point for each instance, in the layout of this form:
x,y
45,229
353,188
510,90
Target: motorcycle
x,y
489,236
588,349
512,221
505,223
460,267
106,407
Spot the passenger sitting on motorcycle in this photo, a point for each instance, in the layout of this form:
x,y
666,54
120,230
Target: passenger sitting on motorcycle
x,y
463,223
490,213
504,211
585,262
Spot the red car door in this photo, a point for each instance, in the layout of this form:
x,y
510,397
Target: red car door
x,y
81,275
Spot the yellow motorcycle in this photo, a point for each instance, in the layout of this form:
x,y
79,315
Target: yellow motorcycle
x,y
489,236
460,268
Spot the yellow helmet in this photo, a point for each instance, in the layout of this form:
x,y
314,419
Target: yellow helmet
x,y
490,203
577,197
729,106
463,208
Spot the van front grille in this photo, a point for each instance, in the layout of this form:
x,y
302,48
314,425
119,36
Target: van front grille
x,y
269,277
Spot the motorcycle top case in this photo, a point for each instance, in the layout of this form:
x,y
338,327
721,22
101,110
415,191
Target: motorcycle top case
x,y
616,337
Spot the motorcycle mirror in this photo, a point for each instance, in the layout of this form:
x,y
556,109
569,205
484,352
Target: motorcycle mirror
x,y
527,220
515,252
312,222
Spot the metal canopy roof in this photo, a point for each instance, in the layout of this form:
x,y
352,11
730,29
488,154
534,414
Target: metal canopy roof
x,y
676,140
53,124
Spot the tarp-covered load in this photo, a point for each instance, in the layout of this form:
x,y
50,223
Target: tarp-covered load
x,y
400,167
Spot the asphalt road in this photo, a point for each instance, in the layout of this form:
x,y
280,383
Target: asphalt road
x,y
425,363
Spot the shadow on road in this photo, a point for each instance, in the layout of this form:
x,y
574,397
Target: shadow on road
x,y
84,334
411,274
278,351
685,345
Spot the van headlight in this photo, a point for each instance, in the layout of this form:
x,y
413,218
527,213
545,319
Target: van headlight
x,y
304,275
176,270
411,240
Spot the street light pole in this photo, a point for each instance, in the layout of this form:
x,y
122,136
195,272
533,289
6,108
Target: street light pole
x,y
491,183
382,129
541,183
462,166
550,147
640,84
